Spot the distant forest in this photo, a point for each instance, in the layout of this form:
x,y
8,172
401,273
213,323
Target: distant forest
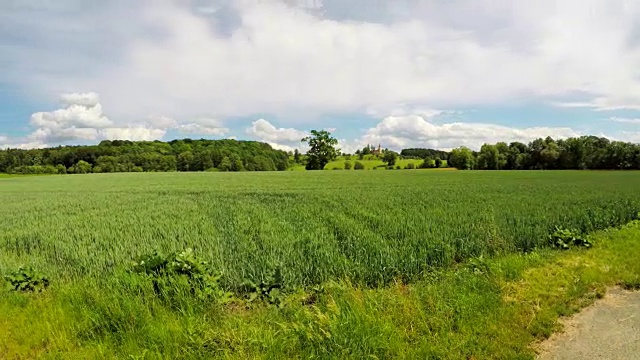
x,y
582,153
138,156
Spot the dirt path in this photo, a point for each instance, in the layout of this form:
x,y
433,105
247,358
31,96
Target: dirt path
x,y
609,329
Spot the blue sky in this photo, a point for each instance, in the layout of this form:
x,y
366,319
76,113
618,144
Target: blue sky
x,y
405,73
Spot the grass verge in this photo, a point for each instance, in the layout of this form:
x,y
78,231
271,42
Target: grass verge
x,y
484,308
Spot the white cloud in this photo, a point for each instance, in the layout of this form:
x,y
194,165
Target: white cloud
x,y
168,58
397,132
193,128
629,136
73,115
265,131
87,99
287,139
625,120
282,147
132,133
82,119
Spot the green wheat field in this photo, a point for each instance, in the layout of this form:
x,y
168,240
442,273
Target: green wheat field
x,y
366,227
363,230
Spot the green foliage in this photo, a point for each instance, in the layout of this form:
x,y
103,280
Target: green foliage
x,y
428,163
410,166
358,166
424,153
565,238
390,157
178,269
322,149
347,165
462,158
147,156
82,167
269,289
27,280
297,158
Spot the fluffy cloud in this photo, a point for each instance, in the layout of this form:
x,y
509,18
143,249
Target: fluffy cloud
x,y
193,128
82,120
87,99
286,139
203,126
398,132
262,57
132,133
264,130
72,116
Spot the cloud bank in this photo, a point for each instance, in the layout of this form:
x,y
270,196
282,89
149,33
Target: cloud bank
x,y
244,57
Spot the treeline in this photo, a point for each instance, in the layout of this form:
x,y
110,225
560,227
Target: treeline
x,y
582,153
148,156
424,154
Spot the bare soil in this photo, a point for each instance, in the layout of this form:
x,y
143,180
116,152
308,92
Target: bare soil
x,y
608,329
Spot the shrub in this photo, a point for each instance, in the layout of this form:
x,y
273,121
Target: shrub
x,y
27,279
336,168
172,271
565,238
427,164
347,165
269,289
398,167
410,166
358,166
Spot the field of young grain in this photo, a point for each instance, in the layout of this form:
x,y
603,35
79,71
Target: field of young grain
x,y
368,227
372,262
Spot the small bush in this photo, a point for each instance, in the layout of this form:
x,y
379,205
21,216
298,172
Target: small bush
x,y
172,271
565,238
27,280
410,166
336,168
347,165
269,289
427,164
398,167
358,166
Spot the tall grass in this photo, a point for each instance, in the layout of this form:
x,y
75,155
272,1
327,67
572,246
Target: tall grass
x,y
368,227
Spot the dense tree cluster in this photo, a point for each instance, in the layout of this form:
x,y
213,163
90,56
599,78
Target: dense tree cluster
x,y
129,156
586,152
424,153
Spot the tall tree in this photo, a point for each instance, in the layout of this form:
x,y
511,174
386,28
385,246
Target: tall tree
x,y
390,157
322,149
462,158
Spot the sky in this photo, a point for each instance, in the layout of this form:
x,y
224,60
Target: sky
x,y
403,73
